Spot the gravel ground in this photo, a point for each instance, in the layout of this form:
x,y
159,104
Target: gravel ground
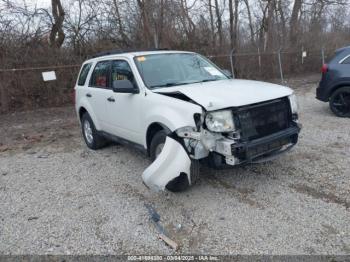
x,y
58,197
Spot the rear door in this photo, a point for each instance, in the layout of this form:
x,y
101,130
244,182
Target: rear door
x,y
98,90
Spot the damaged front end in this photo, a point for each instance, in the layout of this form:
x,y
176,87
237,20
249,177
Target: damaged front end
x,y
247,134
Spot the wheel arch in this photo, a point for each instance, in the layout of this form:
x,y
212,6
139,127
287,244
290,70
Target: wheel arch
x,y
82,111
337,86
84,108
152,129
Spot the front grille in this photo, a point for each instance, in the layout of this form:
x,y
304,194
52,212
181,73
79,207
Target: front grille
x,y
263,119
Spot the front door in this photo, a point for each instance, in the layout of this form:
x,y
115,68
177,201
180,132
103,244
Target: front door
x,y
123,109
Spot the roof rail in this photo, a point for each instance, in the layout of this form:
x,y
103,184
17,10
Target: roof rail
x,y
121,51
342,49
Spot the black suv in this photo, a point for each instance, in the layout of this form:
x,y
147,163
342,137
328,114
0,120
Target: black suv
x,y
334,86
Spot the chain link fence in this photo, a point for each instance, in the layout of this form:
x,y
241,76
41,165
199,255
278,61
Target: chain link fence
x,y
24,88
276,65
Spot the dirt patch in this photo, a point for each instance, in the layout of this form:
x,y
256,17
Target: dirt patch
x,y
53,127
244,195
319,194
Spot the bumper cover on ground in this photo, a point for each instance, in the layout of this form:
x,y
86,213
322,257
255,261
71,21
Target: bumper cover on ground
x,y
171,163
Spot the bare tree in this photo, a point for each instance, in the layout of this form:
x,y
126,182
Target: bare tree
x,y
57,35
250,23
294,22
146,29
233,10
213,35
78,24
219,23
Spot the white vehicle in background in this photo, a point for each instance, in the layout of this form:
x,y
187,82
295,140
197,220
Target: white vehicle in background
x,y
181,109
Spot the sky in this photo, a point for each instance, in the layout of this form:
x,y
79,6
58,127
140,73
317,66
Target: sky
x,y
42,3
38,3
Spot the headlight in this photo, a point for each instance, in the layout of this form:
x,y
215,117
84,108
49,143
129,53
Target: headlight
x,y
293,104
220,121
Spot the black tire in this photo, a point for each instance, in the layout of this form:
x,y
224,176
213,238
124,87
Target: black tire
x,y
97,141
158,139
181,182
339,102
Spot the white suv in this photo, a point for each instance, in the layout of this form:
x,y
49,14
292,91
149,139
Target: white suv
x,y
181,109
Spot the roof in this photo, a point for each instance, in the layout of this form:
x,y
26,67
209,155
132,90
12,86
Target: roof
x,y
121,51
131,53
136,52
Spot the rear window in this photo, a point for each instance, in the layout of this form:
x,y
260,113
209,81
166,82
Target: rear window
x,y
100,75
83,74
346,60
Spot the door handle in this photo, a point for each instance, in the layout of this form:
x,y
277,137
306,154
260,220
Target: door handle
x,y
110,99
88,95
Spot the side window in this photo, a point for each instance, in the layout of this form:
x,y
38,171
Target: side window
x,y
122,71
100,75
346,61
83,74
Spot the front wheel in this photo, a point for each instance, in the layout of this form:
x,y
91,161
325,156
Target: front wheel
x,y
181,182
339,102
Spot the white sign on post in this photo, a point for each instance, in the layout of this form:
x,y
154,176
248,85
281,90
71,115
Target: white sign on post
x,y
49,76
304,54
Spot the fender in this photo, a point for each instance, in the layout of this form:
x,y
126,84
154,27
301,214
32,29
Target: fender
x,y
170,112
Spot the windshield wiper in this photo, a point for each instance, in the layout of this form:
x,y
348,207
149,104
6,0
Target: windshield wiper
x,y
208,80
205,80
168,84
183,83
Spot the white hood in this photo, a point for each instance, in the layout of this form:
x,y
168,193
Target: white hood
x,y
229,93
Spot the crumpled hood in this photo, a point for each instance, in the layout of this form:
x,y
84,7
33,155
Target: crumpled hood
x,y
229,93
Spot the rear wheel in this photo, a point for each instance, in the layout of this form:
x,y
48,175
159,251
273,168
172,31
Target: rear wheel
x,y
181,182
91,136
339,102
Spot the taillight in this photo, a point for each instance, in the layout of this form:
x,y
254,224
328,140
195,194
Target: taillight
x,y
324,69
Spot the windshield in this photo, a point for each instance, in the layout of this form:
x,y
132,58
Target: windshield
x,y
171,69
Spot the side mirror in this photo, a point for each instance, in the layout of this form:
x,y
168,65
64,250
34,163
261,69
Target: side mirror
x,y
124,86
227,73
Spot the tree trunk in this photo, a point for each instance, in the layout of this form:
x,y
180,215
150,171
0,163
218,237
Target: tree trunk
x,y
230,7
235,33
268,34
283,20
294,23
213,38
191,27
124,37
252,38
57,35
145,21
219,22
